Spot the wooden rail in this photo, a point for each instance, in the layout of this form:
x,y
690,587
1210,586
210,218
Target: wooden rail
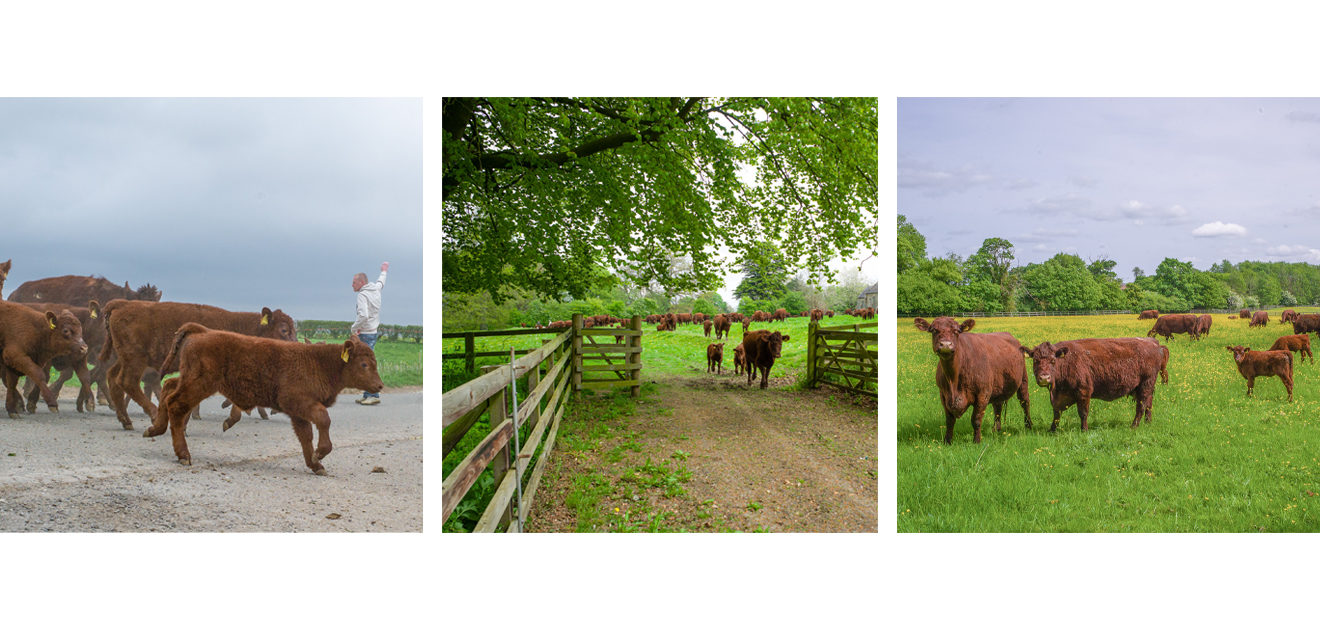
x,y
549,370
844,357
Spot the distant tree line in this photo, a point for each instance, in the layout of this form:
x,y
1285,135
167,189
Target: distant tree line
x,y
989,281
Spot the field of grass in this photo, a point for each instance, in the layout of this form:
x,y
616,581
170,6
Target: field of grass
x,y
1212,459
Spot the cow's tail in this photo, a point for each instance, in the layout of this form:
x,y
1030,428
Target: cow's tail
x,y
168,365
107,348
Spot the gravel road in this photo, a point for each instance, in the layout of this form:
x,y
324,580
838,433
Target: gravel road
x,y
75,472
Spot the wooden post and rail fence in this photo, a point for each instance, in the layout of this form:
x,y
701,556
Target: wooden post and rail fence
x,y
572,358
844,357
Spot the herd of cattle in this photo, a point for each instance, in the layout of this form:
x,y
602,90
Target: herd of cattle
x,y
251,358
988,369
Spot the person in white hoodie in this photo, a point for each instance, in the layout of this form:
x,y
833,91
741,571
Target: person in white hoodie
x,y
368,317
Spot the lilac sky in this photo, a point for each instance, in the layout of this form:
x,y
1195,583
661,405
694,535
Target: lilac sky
x,y
1132,180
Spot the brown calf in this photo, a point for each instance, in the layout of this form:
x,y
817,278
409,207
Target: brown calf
x,y
1259,318
141,334
975,370
1253,363
707,325
722,327
1287,315
1306,323
298,379
28,340
80,290
760,349
89,317
1149,314
715,358
1244,314
1108,369
739,358
1295,343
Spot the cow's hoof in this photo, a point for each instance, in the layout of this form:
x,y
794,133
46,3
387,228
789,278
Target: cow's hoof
x,y
185,462
227,424
320,472
13,415
53,408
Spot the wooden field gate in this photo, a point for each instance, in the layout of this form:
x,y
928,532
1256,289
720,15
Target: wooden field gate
x,y
550,369
844,357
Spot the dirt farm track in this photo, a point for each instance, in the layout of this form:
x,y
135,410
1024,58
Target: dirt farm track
x,y
82,472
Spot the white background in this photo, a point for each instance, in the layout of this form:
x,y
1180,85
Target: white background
x,y
662,581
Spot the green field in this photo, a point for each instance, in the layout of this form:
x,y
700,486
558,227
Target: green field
x,y
1212,459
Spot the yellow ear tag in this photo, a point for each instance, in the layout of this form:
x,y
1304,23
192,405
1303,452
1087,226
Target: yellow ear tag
x,y
344,356
52,324
264,320
93,314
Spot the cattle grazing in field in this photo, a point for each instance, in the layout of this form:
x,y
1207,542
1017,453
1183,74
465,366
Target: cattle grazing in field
x,y
298,379
1244,314
1306,323
816,314
1253,363
739,359
706,326
866,313
1149,314
747,323
721,327
715,358
1300,344
1107,369
829,313
1259,318
1203,323
1170,325
685,318
141,333
28,340
760,349
1287,315
779,315
975,370
80,290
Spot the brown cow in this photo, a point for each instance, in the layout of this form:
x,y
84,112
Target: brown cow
x,y
28,339
706,326
1202,326
760,349
715,358
1244,314
721,327
1295,343
140,333
739,359
68,365
829,313
1253,363
1149,314
1287,315
975,370
747,323
1306,323
1170,325
1108,369
1259,318
780,315
80,290
816,314
298,379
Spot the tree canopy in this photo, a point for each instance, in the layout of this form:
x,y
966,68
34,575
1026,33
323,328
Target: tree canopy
x,y
542,193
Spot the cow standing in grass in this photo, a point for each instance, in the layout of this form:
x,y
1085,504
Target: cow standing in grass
x,y
1253,363
1259,318
975,370
1108,369
1170,325
1295,343
715,358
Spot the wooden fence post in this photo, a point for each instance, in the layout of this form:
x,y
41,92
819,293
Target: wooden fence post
x,y
811,353
635,354
500,465
577,352
469,350
534,379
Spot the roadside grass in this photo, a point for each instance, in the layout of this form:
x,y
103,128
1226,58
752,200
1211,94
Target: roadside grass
x,y
1212,459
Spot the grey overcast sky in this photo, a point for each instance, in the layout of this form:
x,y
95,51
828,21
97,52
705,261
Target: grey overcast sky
x,y
1133,180
236,202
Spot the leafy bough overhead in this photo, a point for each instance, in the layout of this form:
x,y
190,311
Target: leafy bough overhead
x,y
544,193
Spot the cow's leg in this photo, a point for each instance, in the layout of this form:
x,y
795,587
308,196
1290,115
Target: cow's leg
x,y
235,414
23,364
33,392
949,419
999,410
177,400
86,401
765,376
1288,383
12,398
1024,399
978,412
303,429
1251,384
1084,410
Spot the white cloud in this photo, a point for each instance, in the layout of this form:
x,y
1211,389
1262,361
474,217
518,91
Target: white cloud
x,y
1309,254
1219,228
937,181
1140,212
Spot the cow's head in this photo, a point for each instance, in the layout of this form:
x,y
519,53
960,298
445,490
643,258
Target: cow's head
x,y
64,333
944,333
277,325
775,342
1239,352
359,370
1043,359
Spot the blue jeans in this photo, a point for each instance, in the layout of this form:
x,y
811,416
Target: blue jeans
x,y
370,340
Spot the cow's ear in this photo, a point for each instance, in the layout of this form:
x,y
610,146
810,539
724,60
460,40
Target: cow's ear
x,y
1059,354
967,325
50,320
1025,350
94,308
347,346
1228,348
921,324
785,337
265,315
